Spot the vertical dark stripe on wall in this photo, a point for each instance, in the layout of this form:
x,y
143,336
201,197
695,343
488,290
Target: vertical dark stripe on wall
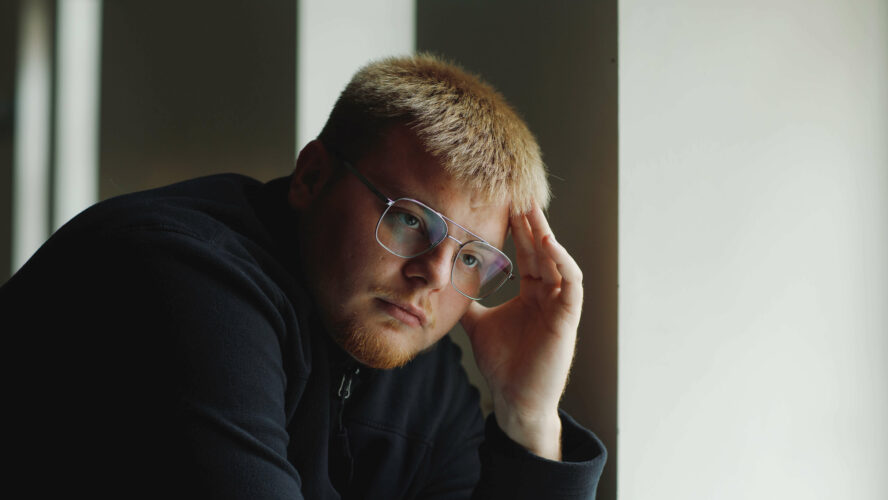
x,y
556,63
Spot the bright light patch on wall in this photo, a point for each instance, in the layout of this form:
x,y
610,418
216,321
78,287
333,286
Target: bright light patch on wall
x,y
77,100
335,39
32,126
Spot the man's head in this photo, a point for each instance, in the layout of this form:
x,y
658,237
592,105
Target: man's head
x,y
480,140
419,128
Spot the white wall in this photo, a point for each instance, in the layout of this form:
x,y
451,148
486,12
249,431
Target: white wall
x,y
74,171
33,126
336,37
78,54
753,249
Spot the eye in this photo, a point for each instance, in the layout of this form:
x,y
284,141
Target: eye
x,y
405,221
469,260
409,220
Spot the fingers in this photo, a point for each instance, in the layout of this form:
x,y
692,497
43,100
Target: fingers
x,y
546,267
540,256
567,267
525,251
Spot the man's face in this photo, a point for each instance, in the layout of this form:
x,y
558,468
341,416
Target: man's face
x,y
381,308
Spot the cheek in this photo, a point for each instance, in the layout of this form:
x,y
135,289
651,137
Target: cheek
x,y
451,307
362,264
352,242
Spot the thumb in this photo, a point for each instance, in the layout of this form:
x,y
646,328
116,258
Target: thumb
x,y
471,317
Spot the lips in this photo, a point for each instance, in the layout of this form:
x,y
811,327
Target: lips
x,y
406,312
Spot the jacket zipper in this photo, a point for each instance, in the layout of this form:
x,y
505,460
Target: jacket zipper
x,y
341,463
345,385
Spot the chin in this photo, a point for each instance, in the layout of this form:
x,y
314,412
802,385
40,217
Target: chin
x,y
382,347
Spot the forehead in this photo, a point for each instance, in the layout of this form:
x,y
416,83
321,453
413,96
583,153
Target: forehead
x,y
401,168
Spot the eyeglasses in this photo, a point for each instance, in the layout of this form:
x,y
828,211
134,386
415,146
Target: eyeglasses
x,y
409,228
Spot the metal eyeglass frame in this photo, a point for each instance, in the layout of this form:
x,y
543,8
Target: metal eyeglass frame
x,y
389,202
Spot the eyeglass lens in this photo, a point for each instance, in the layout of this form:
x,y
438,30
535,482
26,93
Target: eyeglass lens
x,y
408,228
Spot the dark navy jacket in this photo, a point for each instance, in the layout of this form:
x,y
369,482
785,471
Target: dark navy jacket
x,y
162,346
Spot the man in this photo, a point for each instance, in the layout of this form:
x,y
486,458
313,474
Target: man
x,y
221,338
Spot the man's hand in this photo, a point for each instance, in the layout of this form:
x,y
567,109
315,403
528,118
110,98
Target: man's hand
x,y
524,347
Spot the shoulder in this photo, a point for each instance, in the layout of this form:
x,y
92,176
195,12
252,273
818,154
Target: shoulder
x,y
199,207
212,218
200,238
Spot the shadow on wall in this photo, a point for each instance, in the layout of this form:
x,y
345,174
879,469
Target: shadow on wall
x,y
196,88
556,63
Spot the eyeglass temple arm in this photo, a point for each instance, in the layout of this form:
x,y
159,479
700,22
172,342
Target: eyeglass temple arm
x,y
385,199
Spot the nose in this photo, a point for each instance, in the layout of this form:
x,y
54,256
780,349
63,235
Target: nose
x,y
433,267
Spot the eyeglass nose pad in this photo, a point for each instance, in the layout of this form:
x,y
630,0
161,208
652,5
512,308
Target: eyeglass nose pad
x,y
433,266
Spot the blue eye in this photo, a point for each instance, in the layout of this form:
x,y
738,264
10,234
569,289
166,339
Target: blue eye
x,y
409,220
405,221
469,260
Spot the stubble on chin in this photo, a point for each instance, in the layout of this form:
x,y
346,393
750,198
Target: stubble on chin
x,y
369,346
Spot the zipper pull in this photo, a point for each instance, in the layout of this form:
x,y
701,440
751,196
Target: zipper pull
x,y
341,463
346,383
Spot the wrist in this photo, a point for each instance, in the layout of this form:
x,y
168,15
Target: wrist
x,y
538,434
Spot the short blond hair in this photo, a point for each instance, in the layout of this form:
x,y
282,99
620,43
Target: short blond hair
x,y
460,119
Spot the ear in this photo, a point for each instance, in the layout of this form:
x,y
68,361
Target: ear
x,y
314,167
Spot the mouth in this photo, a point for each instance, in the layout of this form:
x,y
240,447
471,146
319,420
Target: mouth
x,y
405,312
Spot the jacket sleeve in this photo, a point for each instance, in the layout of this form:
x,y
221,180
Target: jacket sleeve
x,y
510,471
156,370
225,324
476,459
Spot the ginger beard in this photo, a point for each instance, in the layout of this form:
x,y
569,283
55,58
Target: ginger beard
x,y
383,343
